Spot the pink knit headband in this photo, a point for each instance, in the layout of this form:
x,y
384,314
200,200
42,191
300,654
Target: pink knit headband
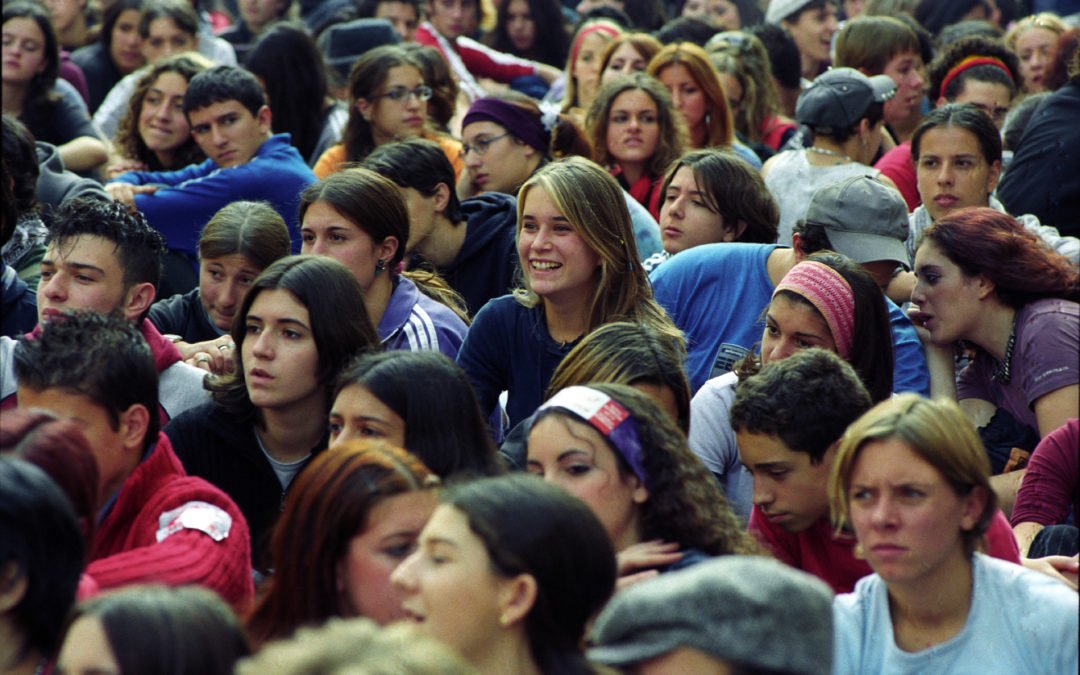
x,y
610,31
830,294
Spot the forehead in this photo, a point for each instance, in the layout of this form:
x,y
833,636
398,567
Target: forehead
x,y
483,128
593,42
894,460
218,109
65,402
626,50
84,249
403,73
902,58
559,431
758,448
395,7
278,302
675,73
451,524
25,27
949,141
634,98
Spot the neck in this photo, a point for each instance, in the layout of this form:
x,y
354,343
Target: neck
x,y
289,434
165,157
507,652
442,245
377,296
699,135
12,642
780,262
810,67
633,171
830,150
14,98
566,320
74,35
992,333
931,610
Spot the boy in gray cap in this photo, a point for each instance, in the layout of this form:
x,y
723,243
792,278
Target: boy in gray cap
x,y
811,24
733,611
843,110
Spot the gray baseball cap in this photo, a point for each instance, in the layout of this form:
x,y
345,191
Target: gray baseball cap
x,y
839,97
749,610
781,9
865,219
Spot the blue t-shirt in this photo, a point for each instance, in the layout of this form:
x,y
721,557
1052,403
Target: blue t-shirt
x,y
1020,621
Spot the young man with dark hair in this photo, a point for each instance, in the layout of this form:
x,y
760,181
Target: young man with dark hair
x,y
788,420
230,121
155,523
470,243
104,258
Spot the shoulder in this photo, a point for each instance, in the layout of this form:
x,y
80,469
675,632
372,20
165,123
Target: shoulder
x,y
1042,595
709,261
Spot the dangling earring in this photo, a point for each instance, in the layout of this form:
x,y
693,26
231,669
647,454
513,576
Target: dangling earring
x,y
380,266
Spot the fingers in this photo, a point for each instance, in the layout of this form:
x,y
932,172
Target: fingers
x,y
125,192
214,356
647,555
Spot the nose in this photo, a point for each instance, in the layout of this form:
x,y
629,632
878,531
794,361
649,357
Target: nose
x,y
782,349
676,98
219,139
944,176
318,247
472,159
262,347
675,207
882,513
229,295
403,577
541,240
55,289
917,80
763,495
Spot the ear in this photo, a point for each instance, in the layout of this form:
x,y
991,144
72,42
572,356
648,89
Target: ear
x,y
516,598
974,503
363,106
639,494
865,126
13,586
992,178
263,118
797,248
940,102
387,248
733,233
441,197
139,298
830,454
985,287
864,71
133,425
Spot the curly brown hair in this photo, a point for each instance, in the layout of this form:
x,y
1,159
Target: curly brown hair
x,y
128,139
685,503
673,136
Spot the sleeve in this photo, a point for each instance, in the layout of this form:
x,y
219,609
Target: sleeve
x,y
847,634
1000,541
910,372
485,352
782,545
1049,360
196,535
483,61
1050,484
897,166
1066,246
170,178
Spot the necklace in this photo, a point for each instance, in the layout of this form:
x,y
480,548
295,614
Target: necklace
x,y
1001,373
830,153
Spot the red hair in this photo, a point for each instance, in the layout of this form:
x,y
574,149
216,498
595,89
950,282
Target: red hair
x,y
984,241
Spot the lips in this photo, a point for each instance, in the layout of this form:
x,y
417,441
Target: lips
x,y
946,200
259,377
49,313
672,233
481,179
226,156
887,551
544,265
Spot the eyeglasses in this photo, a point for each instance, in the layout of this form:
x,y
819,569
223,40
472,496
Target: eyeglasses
x,y
481,145
422,93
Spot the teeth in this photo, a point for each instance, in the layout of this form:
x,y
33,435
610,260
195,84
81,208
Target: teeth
x,y
545,265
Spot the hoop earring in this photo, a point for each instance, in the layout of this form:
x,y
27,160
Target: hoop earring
x,y
380,266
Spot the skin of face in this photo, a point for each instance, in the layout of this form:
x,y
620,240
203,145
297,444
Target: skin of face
x,y
906,516
993,98
687,94
574,456
228,133
1035,48
633,130
64,12
733,91
453,18
520,25
165,38
394,120
86,649
906,71
813,31
952,173
223,283
557,262
116,448
279,355
625,60
662,395
721,14
162,124
789,490
358,414
82,273
389,536
23,50
682,660
327,232
403,17
586,68
126,50
450,586
791,325
949,301
686,220
505,165
259,13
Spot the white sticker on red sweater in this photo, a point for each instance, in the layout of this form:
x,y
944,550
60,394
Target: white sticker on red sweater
x,y
201,516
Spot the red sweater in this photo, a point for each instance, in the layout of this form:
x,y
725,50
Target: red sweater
x,y
133,545
832,559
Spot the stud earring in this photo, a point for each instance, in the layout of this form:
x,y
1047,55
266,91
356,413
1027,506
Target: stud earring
x,y
380,266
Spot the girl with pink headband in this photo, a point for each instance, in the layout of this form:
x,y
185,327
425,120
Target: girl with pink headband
x,y
583,65
825,301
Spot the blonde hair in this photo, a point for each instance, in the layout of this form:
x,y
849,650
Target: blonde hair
x,y
1046,20
594,204
936,430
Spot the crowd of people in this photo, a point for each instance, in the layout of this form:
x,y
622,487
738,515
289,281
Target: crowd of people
x,y
540,336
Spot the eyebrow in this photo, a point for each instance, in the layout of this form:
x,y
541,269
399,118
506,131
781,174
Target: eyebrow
x,y
769,317
435,541
285,320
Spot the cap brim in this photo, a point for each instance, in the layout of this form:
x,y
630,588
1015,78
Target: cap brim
x,y
883,87
864,247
